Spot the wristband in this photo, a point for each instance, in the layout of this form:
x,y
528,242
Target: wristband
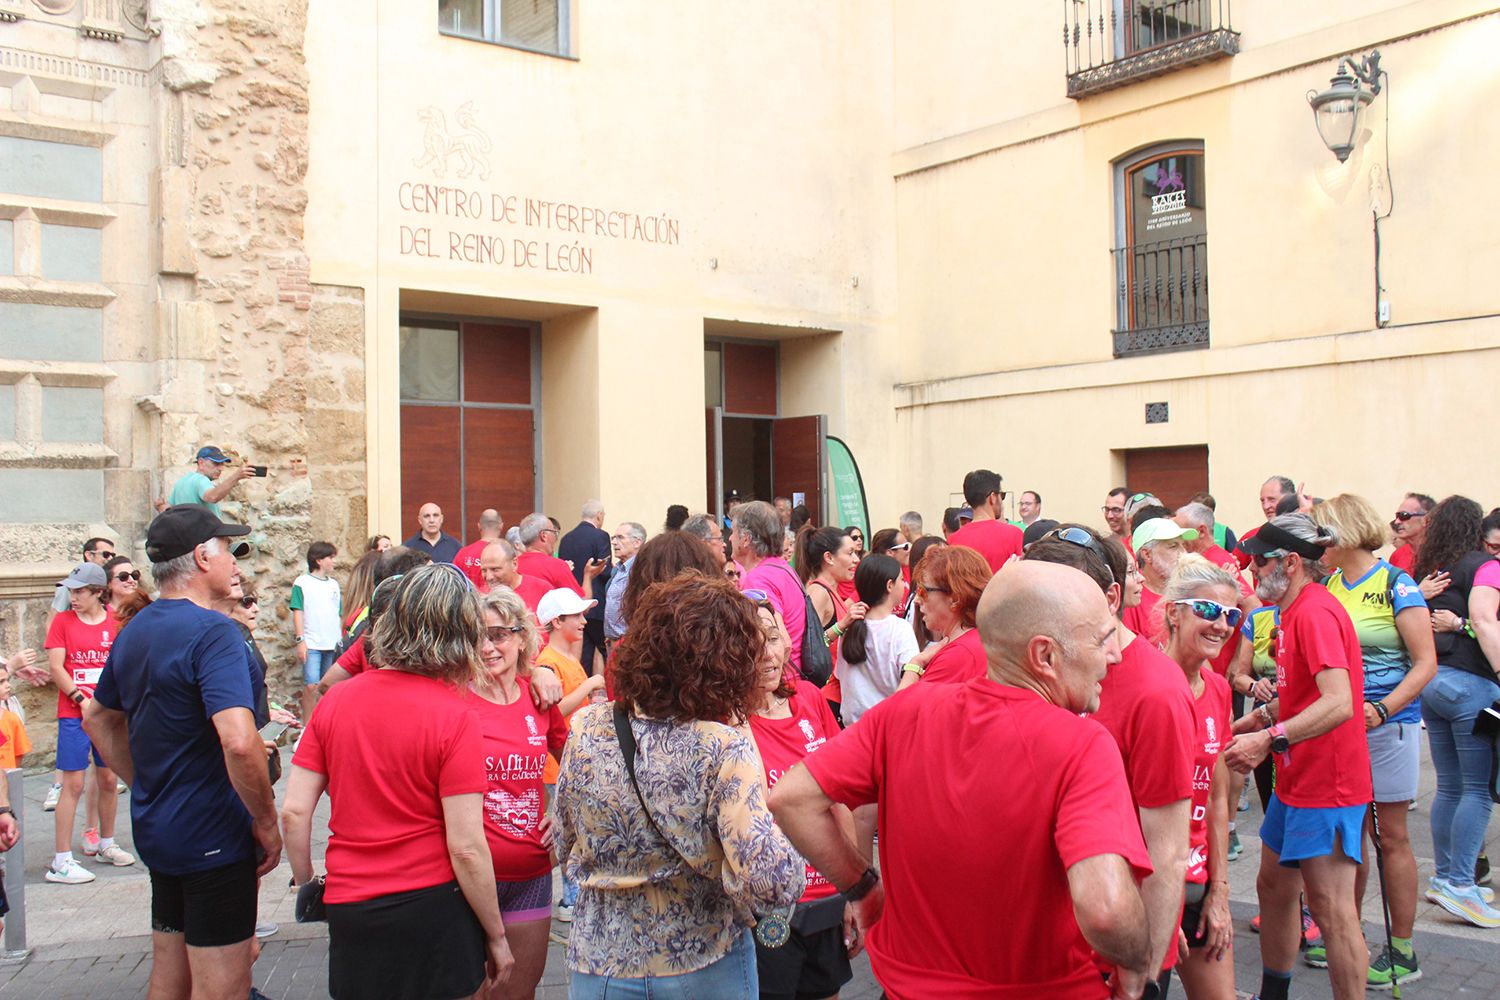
x,y
863,887
913,668
1379,706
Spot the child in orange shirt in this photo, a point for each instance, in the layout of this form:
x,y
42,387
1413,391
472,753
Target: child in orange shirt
x,y
15,743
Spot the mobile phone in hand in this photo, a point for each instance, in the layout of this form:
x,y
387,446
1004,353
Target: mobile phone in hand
x,y
259,470
272,731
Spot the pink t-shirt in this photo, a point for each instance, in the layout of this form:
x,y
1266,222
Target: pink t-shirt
x,y
784,590
1488,575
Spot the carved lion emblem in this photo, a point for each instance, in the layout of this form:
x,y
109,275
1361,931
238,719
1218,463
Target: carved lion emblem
x,y
471,145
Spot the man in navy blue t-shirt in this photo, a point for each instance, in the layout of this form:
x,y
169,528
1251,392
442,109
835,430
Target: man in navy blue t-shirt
x,y
173,716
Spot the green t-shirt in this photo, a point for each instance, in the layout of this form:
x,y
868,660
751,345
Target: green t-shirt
x,y
190,489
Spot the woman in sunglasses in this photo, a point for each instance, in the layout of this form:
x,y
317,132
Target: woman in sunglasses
x,y
1199,616
517,738
1395,637
889,542
121,579
949,583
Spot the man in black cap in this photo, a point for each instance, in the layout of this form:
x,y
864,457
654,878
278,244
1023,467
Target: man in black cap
x,y
173,714
207,484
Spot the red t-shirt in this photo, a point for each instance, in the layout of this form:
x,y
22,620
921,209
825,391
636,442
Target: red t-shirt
x,y
1211,710
959,660
1227,562
468,561
353,659
959,847
1332,769
784,742
516,740
1147,706
548,570
85,648
1145,618
1404,558
995,540
393,745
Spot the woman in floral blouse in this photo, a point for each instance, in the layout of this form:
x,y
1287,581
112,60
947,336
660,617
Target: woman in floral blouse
x,y
667,901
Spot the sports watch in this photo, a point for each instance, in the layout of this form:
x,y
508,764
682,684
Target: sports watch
x,y
862,888
1279,742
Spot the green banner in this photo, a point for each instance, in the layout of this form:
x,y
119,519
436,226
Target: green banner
x,y
848,505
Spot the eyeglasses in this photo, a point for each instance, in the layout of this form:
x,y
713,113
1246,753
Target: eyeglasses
x,y
498,633
245,602
106,556
1261,560
1114,511
123,576
1084,540
923,590
856,536
1212,611
1406,515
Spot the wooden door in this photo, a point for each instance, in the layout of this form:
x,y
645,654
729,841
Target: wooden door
x,y
798,460
1173,474
499,465
431,470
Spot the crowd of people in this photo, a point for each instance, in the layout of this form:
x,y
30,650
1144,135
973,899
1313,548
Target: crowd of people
x,y
742,741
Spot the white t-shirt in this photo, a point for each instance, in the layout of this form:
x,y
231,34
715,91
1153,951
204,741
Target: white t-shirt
x,y
889,643
320,602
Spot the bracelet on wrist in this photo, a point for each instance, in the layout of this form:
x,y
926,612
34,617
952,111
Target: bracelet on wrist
x,y
913,668
1380,709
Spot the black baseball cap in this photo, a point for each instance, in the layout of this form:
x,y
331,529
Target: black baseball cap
x,y
1273,537
180,529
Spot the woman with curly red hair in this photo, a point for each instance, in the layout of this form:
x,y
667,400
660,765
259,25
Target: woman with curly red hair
x,y
661,806
949,583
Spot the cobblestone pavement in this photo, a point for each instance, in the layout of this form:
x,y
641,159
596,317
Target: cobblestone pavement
x,y
92,941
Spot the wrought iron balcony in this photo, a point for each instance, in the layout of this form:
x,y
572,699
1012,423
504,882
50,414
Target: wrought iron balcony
x,y
1162,296
1110,43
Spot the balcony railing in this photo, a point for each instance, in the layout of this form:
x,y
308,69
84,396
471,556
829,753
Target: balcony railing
x,y
1162,296
1110,43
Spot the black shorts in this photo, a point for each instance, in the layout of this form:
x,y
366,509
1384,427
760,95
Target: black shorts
x,y
425,944
1191,914
809,966
210,909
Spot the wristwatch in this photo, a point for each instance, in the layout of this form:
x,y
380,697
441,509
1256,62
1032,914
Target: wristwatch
x,y
1279,742
77,696
862,888
7,811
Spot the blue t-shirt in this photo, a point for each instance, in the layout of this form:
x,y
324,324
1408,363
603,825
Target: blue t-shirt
x,y
1373,602
190,489
173,668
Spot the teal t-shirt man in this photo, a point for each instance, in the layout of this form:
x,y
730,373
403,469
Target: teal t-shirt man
x,y
202,486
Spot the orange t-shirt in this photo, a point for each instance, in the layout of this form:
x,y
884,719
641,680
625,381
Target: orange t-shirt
x,y
571,673
16,743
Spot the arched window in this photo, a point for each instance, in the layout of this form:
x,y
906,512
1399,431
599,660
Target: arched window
x,y
1161,250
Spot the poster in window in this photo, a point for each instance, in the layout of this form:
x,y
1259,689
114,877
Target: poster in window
x,y
1167,198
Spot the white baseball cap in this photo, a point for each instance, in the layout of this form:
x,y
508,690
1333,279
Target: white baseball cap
x,y
562,601
1160,529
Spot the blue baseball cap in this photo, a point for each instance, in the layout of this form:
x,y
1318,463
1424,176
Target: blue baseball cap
x,y
212,454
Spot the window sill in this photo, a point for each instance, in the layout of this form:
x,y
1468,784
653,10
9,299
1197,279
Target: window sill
x,y
507,45
1161,340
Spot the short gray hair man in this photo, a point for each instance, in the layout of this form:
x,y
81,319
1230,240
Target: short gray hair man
x,y
593,511
1199,517
705,527
532,526
911,525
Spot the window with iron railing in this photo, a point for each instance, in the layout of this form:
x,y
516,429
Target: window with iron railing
x,y
1161,252
535,25
1110,43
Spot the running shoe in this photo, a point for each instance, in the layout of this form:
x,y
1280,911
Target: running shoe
x,y
564,912
1245,798
1255,924
1392,967
1311,936
49,804
117,856
1316,956
1235,847
1464,903
1488,895
120,787
266,928
90,842
71,873
1482,870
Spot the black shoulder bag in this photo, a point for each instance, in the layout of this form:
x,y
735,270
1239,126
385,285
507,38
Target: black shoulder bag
x,y
772,930
817,658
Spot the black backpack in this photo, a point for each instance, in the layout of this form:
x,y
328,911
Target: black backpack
x,y
817,658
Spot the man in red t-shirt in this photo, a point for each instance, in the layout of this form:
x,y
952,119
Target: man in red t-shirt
x,y
1054,847
1271,492
1148,708
987,534
498,566
539,536
1410,528
491,527
1316,729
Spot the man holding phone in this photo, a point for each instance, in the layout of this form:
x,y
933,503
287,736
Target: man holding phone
x,y
207,484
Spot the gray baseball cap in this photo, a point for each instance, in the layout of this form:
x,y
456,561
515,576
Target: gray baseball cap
x,y
86,575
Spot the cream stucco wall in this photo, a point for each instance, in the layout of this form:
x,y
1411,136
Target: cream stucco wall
x,y
767,149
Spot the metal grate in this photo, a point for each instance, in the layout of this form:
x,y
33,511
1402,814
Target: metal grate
x,y
1162,293
1156,413
1109,43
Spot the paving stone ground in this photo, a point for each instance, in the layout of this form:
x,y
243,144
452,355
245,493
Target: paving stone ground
x,y
92,941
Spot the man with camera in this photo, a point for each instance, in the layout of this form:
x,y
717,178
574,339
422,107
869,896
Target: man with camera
x,y
207,484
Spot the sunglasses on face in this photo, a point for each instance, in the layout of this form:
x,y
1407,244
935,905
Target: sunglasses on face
x,y
106,556
1212,611
1406,515
499,633
1084,540
245,602
923,590
123,576
902,547
1262,560
856,536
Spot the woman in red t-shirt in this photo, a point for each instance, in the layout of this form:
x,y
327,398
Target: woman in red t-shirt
x,y
517,737
1198,617
826,559
790,719
949,583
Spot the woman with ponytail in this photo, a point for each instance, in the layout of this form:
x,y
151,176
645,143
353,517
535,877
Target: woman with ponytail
x,y
825,560
875,646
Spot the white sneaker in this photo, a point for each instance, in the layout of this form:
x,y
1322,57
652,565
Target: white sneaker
x,y
49,804
120,787
564,913
116,855
266,929
1485,893
71,873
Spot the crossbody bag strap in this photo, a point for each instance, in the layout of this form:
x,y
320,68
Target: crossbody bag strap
x,y
627,748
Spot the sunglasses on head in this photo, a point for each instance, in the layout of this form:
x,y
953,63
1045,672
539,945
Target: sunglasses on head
x,y
1406,515
1212,611
1084,540
248,602
134,574
756,595
497,633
